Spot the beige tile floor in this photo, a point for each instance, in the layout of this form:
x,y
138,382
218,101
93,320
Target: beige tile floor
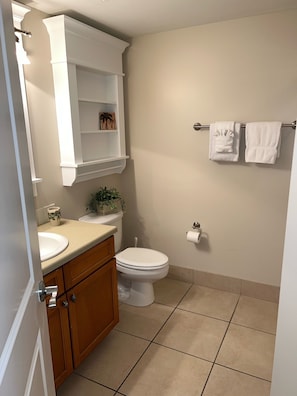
x,y
192,341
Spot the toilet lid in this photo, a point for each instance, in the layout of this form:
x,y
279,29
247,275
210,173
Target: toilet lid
x,y
141,258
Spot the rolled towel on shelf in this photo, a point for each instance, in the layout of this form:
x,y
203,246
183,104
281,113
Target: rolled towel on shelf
x,y
224,138
263,141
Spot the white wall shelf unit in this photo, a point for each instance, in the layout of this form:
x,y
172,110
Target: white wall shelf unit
x,y
88,80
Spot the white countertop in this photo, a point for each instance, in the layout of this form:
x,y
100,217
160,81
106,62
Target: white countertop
x,y
81,236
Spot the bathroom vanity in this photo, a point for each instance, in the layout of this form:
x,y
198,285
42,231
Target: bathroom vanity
x,y
87,300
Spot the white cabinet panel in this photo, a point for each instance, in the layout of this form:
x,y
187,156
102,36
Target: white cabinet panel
x,y
88,79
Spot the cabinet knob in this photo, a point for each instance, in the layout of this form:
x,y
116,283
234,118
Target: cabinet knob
x,y
73,298
65,303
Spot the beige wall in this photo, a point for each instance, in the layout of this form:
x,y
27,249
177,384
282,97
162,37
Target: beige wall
x,y
242,70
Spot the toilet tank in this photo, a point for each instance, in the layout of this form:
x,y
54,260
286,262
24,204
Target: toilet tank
x,y
114,219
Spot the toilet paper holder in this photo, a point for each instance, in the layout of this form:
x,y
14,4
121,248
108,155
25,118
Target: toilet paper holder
x,y
196,225
194,236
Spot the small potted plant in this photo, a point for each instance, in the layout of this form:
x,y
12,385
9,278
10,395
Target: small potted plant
x,y
106,201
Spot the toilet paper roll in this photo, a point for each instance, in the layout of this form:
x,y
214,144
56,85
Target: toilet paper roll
x,y
194,236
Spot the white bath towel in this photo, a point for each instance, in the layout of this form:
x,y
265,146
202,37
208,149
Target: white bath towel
x,y
262,141
224,138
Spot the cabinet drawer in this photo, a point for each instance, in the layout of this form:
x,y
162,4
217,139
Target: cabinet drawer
x,y
55,278
82,266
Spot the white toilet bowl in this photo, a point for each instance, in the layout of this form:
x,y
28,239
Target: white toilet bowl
x,y
137,269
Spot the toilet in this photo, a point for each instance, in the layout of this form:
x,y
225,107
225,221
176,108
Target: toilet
x,y
137,267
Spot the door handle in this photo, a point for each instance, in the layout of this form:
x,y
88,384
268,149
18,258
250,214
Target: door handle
x,y
51,291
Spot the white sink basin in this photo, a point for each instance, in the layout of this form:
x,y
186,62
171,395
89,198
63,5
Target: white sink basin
x,y
51,244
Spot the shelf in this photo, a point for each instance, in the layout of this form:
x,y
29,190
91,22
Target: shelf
x,y
101,161
88,80
99,101
75,173
99,131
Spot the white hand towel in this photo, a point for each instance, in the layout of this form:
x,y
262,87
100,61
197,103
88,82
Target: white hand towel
x,y
262,142
224,138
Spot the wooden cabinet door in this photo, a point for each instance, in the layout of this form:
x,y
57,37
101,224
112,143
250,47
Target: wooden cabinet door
x,y
93,310
58,323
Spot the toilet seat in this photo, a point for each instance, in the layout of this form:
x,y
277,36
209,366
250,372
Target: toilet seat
x,y
142,259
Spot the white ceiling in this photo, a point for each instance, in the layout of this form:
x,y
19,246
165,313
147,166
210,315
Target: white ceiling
x,y
130,18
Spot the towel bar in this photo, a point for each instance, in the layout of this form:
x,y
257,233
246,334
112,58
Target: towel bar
x,y
197,126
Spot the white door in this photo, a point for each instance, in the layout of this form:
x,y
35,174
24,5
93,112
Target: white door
x,y
25,361
284,378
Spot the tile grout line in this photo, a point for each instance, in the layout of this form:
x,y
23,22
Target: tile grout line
x,y
181,295
174,309
243,372
207,379
132,368
211,317
93,381
184,353
230,368
151,341
253,328
166,320
203,314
